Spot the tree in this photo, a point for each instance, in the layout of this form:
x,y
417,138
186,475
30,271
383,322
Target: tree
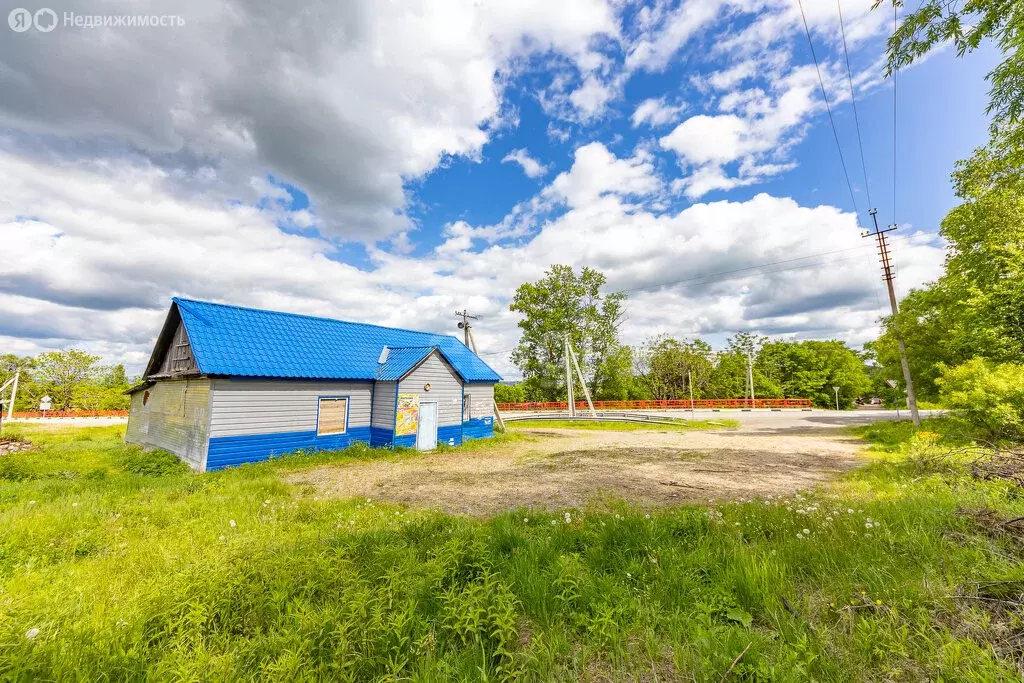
x,y
9,365
810,369
510,393
564,303
966,24
63,374
976,308
672,364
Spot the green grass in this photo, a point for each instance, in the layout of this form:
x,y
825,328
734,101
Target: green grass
x,y
623,426
133,568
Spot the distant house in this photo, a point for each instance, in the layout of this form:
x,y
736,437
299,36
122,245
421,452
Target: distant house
x,y
228,385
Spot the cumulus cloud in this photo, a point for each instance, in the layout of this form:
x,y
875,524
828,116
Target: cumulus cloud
x,y
93,253
347,100
531,167
655,112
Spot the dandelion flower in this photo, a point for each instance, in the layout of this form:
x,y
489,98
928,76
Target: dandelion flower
x,y
31,633
867,535
800,536
568,518
736,523
222,538
868,525
74,505
554,522
526,520
647,516
878,602
232,524
31,502
807,532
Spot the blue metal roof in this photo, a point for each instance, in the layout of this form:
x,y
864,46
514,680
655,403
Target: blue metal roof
x,y
249,342
402,360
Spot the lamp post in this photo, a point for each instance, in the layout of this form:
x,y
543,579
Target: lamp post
x,y
836,389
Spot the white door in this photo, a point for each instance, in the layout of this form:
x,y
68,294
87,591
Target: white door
x,y
426,433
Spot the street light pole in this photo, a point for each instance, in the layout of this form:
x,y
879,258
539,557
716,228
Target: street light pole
x,y
836,389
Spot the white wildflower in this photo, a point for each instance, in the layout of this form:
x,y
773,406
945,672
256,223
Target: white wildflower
x,y
849,511
736,523
647,516
74,505
800,536
554,522
232,524
568,518
867,535
807,532
526,520
31,502
31,633
868,525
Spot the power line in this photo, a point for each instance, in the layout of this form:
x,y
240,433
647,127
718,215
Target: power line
x,y
895,81
828,108
853,101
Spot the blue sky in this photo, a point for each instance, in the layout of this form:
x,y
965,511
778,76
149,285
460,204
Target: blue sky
x,y
390,163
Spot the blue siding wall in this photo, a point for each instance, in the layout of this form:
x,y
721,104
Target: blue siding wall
x,y
478,428
450,435
380,436
408,441
226,451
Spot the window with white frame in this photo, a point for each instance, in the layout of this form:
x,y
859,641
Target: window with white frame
x,y
333,416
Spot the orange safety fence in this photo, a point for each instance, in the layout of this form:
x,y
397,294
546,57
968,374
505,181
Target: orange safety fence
x,y
70,413
684,404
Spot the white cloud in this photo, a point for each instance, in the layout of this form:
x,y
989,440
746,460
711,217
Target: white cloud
x,y
656,112
347,100
531,167
597,172
92,255
591,99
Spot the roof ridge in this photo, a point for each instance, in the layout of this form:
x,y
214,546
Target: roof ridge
x,y
178,299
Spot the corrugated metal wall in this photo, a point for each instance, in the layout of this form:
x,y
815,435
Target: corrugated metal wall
x,y
445,388
175,417
246,407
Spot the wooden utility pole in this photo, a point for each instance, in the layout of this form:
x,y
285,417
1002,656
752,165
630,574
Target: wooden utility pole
x,y
883,255
464,325
471,343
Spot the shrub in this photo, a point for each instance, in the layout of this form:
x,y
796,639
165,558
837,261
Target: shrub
x,y
987,396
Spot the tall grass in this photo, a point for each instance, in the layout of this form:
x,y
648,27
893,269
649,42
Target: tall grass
x,y
120,565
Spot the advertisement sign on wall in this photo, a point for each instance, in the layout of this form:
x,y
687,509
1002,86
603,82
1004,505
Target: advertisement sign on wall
x,y
408,414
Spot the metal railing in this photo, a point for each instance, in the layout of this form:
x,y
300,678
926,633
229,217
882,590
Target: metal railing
x,y
677,404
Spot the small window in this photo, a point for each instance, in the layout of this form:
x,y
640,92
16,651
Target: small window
x,y
333,418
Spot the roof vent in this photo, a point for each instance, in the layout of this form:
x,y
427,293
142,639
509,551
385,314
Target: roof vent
x,y
383,355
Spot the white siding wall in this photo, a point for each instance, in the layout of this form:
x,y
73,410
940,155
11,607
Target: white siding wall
x,y
176,418
384,405
445,388
246,407
479,401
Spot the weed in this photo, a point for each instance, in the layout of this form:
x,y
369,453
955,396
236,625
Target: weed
x,y
117,564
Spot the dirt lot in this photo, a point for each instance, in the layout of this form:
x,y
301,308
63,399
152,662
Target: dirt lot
x,y
560,468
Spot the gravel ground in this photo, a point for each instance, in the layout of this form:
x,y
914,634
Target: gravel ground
x,y
560,468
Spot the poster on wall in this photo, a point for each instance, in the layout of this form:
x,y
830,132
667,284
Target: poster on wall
x,y
408,414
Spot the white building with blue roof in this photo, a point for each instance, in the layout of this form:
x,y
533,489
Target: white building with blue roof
x,y
228,385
